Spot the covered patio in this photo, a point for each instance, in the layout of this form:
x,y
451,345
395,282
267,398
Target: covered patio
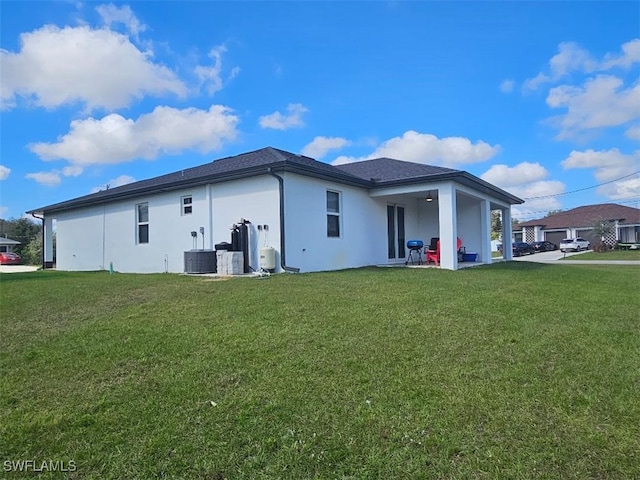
x,y
445,210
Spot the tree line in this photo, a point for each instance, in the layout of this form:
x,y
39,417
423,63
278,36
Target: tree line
x,y
29,234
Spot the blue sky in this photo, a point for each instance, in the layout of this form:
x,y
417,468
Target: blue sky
x,y
539,98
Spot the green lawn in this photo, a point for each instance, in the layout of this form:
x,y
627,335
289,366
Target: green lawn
x,y
611,255
515,370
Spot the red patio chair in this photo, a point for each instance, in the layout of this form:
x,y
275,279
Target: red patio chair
x,y
434,255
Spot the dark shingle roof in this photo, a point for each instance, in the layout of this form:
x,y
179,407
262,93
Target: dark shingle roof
x,y
239,166
366,174
387,169
586,216
384,172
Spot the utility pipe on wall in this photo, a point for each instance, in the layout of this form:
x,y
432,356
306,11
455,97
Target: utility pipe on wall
x,y
282,229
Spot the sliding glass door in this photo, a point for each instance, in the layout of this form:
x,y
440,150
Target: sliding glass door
x,y
395,232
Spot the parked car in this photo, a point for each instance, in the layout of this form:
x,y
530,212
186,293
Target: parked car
x,y
544,246
575,244
522,248
9,258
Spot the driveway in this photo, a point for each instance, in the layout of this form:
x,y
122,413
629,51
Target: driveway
x,y
17,268
556,257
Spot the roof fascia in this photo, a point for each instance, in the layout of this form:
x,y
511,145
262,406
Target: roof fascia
x,y
459,176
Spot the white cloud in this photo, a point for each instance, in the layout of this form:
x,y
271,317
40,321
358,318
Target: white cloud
x,y
527,181
319,146
115,182
49,179
523,173
621,190
3,211
279,121
570,57
609,165
507,86
4,172
98,67
210,77
633,132
600,102
115,139
535,82
543,195
111,14
235,71
72,171
429,149
630,55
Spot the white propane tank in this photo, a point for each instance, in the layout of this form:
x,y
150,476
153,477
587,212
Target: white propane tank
x,y
268,258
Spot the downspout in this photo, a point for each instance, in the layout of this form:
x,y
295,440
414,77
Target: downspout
x,y
43,252
283,262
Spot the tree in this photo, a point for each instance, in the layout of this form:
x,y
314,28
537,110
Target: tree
x,y
32,252
496,224
21,229
602,229
553,212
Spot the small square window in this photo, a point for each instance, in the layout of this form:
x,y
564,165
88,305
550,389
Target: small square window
x,y
187,205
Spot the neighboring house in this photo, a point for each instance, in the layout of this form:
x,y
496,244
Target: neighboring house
x,y
317,216
579,222
6,244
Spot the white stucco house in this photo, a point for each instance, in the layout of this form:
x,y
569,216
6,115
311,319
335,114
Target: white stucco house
x,y
316,216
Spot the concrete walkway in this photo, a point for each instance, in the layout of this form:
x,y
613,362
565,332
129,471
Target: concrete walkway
x,y
557,256
17,268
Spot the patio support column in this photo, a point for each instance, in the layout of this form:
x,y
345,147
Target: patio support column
x,y
448,217
47,232
485,219
507,241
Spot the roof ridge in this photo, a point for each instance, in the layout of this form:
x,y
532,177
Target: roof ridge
x,y
276,152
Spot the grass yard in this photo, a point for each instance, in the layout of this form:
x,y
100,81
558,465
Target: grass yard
x,y
515,370
611,255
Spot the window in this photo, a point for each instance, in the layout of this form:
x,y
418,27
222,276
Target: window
x,y
187,205
333,214
142,221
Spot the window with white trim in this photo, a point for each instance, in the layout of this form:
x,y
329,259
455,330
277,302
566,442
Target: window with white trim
x,y
186,203
333,214
142,223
